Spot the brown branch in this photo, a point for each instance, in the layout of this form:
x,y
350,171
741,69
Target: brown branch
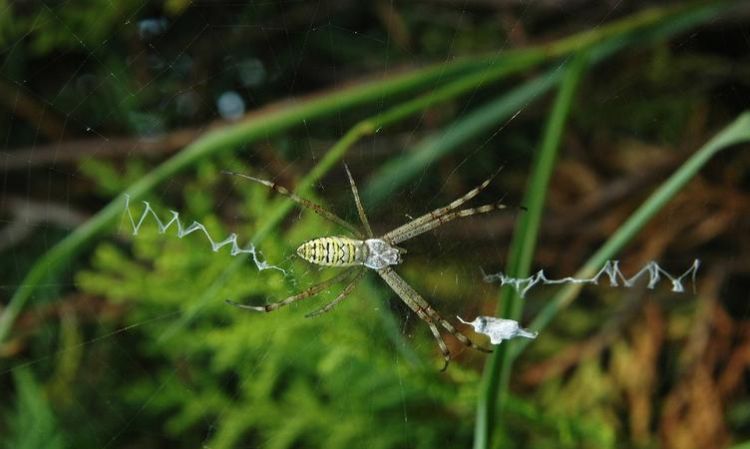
x,y
38,115
28,214
592,347
86,308
75,150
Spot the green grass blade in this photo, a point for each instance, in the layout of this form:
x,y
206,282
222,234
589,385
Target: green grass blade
x,y
33,424
497,371
400,170
745,445
737,132
603,43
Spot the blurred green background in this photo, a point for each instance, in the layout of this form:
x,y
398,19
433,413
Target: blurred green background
x,y
622,132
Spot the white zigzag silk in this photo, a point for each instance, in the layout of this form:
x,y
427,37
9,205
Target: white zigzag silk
x,y
611,269
193,227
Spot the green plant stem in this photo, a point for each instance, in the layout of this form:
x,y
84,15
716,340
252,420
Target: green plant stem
x,y
737,132
497,371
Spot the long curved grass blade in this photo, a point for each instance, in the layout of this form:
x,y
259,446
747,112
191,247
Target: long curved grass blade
x,y
497,371
401,169
735,133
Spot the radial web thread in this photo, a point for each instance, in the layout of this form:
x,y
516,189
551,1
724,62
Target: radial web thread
x,y
193,227
611,270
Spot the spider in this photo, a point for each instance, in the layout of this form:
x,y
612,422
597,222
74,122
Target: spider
x,y
376,253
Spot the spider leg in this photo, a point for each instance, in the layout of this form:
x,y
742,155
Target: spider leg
x,y
404,232
312,291
438,337
424,311
358,202
413,229
318,209
456,333
420,311
343,295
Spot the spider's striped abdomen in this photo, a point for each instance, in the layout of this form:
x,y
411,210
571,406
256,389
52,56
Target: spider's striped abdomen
x,y
333,251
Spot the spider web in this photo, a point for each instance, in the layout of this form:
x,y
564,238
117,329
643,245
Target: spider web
x,y
41,213
71,111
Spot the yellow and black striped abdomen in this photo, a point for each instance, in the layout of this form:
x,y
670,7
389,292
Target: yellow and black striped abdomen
x,y
333,251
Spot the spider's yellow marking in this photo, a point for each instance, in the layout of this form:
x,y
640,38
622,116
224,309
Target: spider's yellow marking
x,y
332,251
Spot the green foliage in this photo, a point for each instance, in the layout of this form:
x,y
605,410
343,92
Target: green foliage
x,y
32,425
179,365
280,379
66,26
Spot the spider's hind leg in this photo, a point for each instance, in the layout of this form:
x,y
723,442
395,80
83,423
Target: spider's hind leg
x,y
456,333
425,312
342,296
440,341
424,316
312,291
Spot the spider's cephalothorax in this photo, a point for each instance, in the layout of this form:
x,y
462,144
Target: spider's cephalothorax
x,y
376,253
346,252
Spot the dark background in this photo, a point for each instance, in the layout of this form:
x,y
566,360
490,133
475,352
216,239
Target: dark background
x,y
130,344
